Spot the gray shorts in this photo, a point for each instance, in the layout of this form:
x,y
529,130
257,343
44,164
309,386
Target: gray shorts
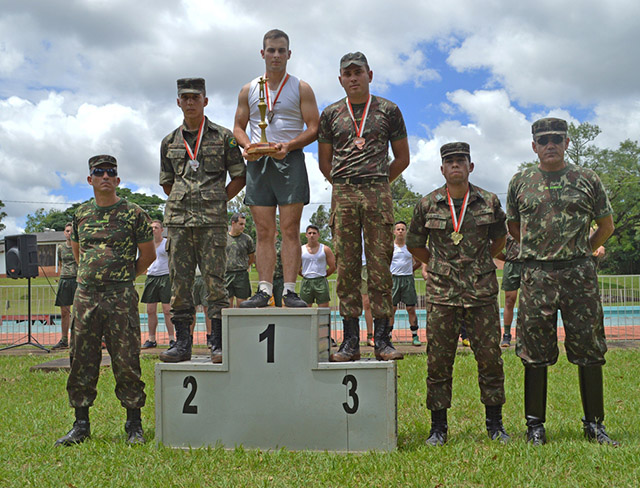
x,y
66,292
156,289
272,182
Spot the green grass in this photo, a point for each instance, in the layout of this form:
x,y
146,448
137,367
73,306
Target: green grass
x,y
35,412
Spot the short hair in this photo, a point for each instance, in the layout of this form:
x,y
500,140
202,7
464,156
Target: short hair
x,y
68,224
274,34
156,221
237,216
400,222
311,226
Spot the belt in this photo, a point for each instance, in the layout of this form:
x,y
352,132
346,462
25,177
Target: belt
x,y
360,180
110,287
555,265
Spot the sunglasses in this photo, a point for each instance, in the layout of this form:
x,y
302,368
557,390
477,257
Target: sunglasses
x,y
555,138
111,172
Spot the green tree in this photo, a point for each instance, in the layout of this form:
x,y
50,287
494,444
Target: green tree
x,y
53,218
320,218
2,216
404,200
153,204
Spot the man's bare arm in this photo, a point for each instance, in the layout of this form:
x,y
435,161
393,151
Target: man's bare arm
x,y
234,186
75,247
401,154
167,189
603,231
325,155
331,260
422,254
497,246
146,256
514,229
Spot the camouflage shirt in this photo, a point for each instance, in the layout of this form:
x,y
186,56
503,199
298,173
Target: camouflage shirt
x,y
198,198
511,250
462,275
555,211
238,249
68,265
108,238
384,124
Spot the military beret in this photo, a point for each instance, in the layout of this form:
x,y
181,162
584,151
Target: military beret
x,y
356,58
455,148
191,85
96,161
549,125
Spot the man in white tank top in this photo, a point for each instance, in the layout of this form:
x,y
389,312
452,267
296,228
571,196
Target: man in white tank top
x,y
318,262
279,180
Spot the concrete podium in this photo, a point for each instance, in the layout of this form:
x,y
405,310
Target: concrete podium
x,y
277,389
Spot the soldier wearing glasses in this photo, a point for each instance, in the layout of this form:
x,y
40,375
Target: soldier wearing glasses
x,y
550,209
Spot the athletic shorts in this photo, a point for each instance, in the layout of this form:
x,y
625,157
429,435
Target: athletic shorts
x,y
156,289
66,291
511,276
404,290
237,284
272,182
200,293
315,290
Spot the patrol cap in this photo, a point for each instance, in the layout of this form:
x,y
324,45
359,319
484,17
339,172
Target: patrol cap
x,y
455,148
549,125
96,161
356,58
191,85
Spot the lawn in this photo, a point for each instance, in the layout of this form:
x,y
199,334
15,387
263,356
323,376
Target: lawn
x,y
35,412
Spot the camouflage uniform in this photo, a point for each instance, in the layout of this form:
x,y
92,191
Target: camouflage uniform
x,y
512,265
361,201
555,210
106,302
68,272
461,289
196,214
239,248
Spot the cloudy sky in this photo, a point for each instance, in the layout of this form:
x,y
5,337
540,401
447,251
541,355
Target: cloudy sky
x,y
83,77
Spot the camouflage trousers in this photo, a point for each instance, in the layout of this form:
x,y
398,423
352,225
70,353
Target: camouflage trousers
x,y
111,314
357,211
443,329
574,291
205,247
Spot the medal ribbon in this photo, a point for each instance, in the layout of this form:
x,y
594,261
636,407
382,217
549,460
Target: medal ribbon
x,y
457,223
359,130
278,91
191,154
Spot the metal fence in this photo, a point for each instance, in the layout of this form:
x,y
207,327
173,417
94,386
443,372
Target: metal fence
x,y
620,298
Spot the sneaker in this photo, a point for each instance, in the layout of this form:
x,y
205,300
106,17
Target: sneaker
x,y
62,344
172,343
466,343
149,344
259,300
506,340
416,341
292,300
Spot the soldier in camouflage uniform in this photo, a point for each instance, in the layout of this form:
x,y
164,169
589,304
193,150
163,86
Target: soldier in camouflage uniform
x,y
194,162
550,209
107,233
463,226
241,254
353,145
66,286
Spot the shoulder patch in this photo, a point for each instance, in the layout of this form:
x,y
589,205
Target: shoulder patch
x,y
233,142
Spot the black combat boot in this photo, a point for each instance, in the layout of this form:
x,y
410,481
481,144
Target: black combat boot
x,y
216,341
591,391
181,350
495,429
133,427
384,350
535,404
439,428
80,430
350,348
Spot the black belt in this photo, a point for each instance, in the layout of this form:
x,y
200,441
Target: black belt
x,y
555,265
359,180
109,287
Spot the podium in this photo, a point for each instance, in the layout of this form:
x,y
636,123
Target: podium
x,y
277,389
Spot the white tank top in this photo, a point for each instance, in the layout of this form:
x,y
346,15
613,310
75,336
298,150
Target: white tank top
x,y
314,265
402,261
160,266
287,121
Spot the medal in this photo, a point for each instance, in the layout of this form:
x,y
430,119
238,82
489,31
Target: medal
x,y
193,162
270,105
456,235
359,140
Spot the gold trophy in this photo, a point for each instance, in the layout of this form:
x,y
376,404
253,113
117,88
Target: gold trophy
x,y
263,147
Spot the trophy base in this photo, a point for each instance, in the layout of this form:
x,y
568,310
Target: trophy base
x,y
262,148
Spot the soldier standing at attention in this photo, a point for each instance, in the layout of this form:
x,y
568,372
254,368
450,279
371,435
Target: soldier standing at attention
x,y
353,146
107,233
66,286
279,180
194,162
463,227
241,254
550,209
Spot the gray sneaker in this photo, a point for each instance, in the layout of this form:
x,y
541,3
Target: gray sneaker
x,y
62,344
259,300
292,300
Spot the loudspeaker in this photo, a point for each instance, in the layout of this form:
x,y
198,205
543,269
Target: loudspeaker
x,y
21,256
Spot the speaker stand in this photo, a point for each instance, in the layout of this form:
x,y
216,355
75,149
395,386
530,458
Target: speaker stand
x,y
31,341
